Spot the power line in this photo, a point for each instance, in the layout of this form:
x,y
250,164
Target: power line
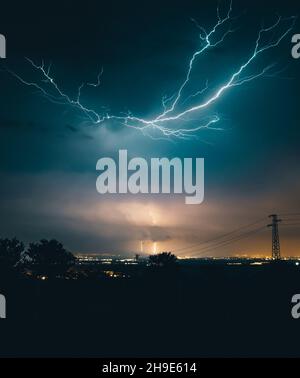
x,y
236,235
289,214
229,241
221,236
224,243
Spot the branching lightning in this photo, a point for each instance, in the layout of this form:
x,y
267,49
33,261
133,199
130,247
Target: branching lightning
x,y
176,108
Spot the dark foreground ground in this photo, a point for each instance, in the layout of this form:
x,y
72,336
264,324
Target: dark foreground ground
x,y
195,311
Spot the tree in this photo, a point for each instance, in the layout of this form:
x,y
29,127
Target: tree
x,y
49,257
11,251
163,260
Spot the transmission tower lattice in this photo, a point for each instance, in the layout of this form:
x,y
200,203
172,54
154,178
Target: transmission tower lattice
x,y
275,237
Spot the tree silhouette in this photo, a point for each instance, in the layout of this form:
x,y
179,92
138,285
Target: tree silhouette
x,y
11,251
163,260
49,257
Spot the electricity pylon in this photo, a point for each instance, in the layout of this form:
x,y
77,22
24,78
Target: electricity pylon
x,y
275,237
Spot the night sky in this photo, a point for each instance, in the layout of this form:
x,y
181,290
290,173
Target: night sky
x,y
48,152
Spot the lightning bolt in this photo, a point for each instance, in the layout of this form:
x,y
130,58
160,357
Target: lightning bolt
x,y
176,108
